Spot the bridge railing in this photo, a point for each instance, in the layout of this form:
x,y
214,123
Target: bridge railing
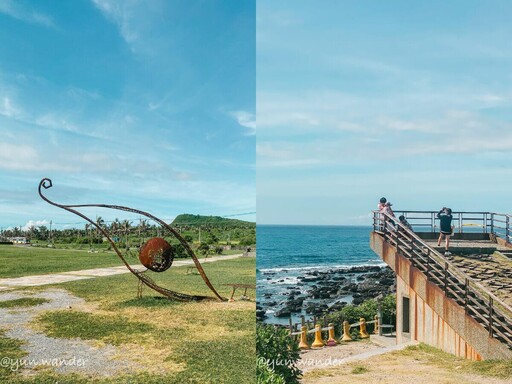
x,y
498,224
477,301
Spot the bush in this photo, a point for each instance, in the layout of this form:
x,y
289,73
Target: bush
x,y
277,356
266,375
248,240
367,309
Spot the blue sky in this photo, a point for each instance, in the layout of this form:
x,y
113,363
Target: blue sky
x,y
145,104
362,99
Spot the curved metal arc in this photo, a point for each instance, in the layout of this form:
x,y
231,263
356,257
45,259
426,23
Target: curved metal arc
x,y
47,183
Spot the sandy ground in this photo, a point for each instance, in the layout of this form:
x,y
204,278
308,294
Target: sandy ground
x,y
330,356
392,369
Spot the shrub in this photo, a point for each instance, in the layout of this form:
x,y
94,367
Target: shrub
x,y
277,356
265,375
368,309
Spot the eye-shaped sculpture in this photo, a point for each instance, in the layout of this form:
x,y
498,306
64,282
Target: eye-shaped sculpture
x,y
156,254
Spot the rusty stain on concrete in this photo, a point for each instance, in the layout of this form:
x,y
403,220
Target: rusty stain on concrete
x,y
435,319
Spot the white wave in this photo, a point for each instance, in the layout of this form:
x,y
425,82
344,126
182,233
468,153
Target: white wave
x,y
378,263
286,281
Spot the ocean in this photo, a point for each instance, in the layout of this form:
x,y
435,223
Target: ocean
x,y
287,252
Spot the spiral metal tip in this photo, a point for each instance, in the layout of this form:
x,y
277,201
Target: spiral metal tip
x,y
46,183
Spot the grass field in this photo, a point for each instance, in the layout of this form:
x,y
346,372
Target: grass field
x,y
199,342
16,261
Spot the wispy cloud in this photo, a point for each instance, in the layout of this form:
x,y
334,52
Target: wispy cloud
x,y
122,14
245,119
8,109
18,11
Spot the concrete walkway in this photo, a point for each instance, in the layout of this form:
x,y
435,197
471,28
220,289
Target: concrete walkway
x,y
63,277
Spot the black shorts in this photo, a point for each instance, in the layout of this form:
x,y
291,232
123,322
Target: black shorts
x,y
446,233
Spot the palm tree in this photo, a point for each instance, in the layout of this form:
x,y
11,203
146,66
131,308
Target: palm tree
x,y
125,224
100,223
115,227
143,227
88,233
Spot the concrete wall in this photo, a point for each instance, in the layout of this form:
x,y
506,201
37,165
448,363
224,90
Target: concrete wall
x,y
435,319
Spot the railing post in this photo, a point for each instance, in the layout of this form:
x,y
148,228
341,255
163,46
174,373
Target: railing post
x,y
490,316
466,294
507,230
492,223
412,251
429,267
398,240
446,279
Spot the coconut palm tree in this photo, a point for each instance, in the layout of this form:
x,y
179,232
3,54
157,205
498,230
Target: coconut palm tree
x,y
143,227
101,224
125,224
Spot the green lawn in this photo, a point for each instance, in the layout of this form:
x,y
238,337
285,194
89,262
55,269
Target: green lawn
x,y
196,342
16,261
23,303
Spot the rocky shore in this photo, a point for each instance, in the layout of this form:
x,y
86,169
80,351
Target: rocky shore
x,y
319,292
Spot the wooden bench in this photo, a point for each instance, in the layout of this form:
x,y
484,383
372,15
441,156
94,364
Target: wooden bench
x,y
243,286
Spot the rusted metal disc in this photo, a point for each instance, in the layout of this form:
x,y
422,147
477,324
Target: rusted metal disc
x,y
156,254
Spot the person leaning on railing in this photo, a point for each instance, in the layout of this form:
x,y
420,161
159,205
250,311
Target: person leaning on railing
x,y
388,213
404,222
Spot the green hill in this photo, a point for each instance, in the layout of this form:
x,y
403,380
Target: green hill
x,y
187,219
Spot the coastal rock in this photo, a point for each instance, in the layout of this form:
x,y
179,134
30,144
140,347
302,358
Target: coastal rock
x,y
283,312
355,284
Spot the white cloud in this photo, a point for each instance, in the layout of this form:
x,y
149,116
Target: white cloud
x,y
34,223
18,157
16,10
245,119
120,13
8,109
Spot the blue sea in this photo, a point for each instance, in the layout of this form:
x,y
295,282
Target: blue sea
x,y
286,252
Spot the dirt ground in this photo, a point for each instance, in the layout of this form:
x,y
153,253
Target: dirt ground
x,y
393,368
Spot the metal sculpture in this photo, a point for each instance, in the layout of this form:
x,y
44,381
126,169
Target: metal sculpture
x,y
156,254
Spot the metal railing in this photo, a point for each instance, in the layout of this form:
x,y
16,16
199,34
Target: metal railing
x,y
483,222
477,301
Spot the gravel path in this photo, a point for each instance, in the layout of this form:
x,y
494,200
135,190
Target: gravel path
x,y
63,355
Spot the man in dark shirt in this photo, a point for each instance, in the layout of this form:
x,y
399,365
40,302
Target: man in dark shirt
x,y
445,218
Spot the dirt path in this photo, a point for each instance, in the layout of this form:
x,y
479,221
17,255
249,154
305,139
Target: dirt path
x,y
346,352
63,277
393,368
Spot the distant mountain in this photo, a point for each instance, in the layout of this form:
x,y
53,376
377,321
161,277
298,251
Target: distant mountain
x,y
186,219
